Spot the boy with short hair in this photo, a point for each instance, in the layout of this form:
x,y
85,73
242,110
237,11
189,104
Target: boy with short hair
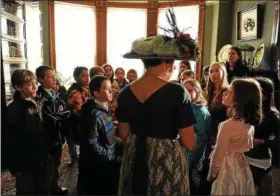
x,y
30,158
77,95
131,75
81,77
98,161
96,70
52,105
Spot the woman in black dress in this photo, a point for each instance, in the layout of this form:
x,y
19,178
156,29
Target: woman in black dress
x,y
156,121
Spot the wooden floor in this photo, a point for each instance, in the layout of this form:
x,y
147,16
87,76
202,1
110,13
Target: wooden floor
x,y
276,179
70,180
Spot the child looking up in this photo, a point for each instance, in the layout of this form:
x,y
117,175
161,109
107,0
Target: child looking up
x,y
228,166
120,77
202,116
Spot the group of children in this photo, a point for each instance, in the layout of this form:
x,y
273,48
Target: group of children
x,y
35,126
39,120
237,134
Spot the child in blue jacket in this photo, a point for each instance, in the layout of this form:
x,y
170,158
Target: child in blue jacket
x,y
196,155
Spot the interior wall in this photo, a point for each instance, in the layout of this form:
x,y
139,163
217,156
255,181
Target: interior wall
x,y
207,34
218,29
221,28
267,24
224,24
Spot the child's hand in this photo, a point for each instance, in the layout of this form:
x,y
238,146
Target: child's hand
x,y
119,159
210,179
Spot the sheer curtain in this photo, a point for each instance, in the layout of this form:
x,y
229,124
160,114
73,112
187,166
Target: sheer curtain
x,y
124,25
188,19
74,38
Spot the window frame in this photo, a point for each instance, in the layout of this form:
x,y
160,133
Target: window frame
x,y
101,24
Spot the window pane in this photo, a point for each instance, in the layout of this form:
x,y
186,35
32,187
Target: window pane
x,y
33,36
188,19
74,38
124,25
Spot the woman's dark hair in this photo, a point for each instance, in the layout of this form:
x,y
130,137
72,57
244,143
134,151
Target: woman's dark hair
x,y
268,95
79,70
105,65
155,62
239,61
246,107
95,83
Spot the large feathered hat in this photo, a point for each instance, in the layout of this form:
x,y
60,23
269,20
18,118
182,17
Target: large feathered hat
x,y
175,44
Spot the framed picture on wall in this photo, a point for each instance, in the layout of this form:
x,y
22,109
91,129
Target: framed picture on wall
x,y
249,23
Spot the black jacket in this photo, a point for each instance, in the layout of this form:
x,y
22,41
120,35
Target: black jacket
x,y
73,123
98,160
98,134
268,130
28,139
54,116
240,70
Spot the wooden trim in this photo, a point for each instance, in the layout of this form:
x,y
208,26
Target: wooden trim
x,y
152,18
52,35
78,2
201,39
179,3
101,32
127,5
101,23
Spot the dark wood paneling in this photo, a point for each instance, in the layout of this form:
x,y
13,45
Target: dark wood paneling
x,y
152,18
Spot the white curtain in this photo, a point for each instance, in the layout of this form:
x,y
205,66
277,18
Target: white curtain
x,y
187,18
124,25
75,34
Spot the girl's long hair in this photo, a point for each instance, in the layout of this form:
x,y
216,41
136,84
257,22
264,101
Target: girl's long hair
x,y
105,65
268,96
247,107
210,87
200,99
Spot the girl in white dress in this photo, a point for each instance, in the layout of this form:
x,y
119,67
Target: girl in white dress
x,y
229,168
